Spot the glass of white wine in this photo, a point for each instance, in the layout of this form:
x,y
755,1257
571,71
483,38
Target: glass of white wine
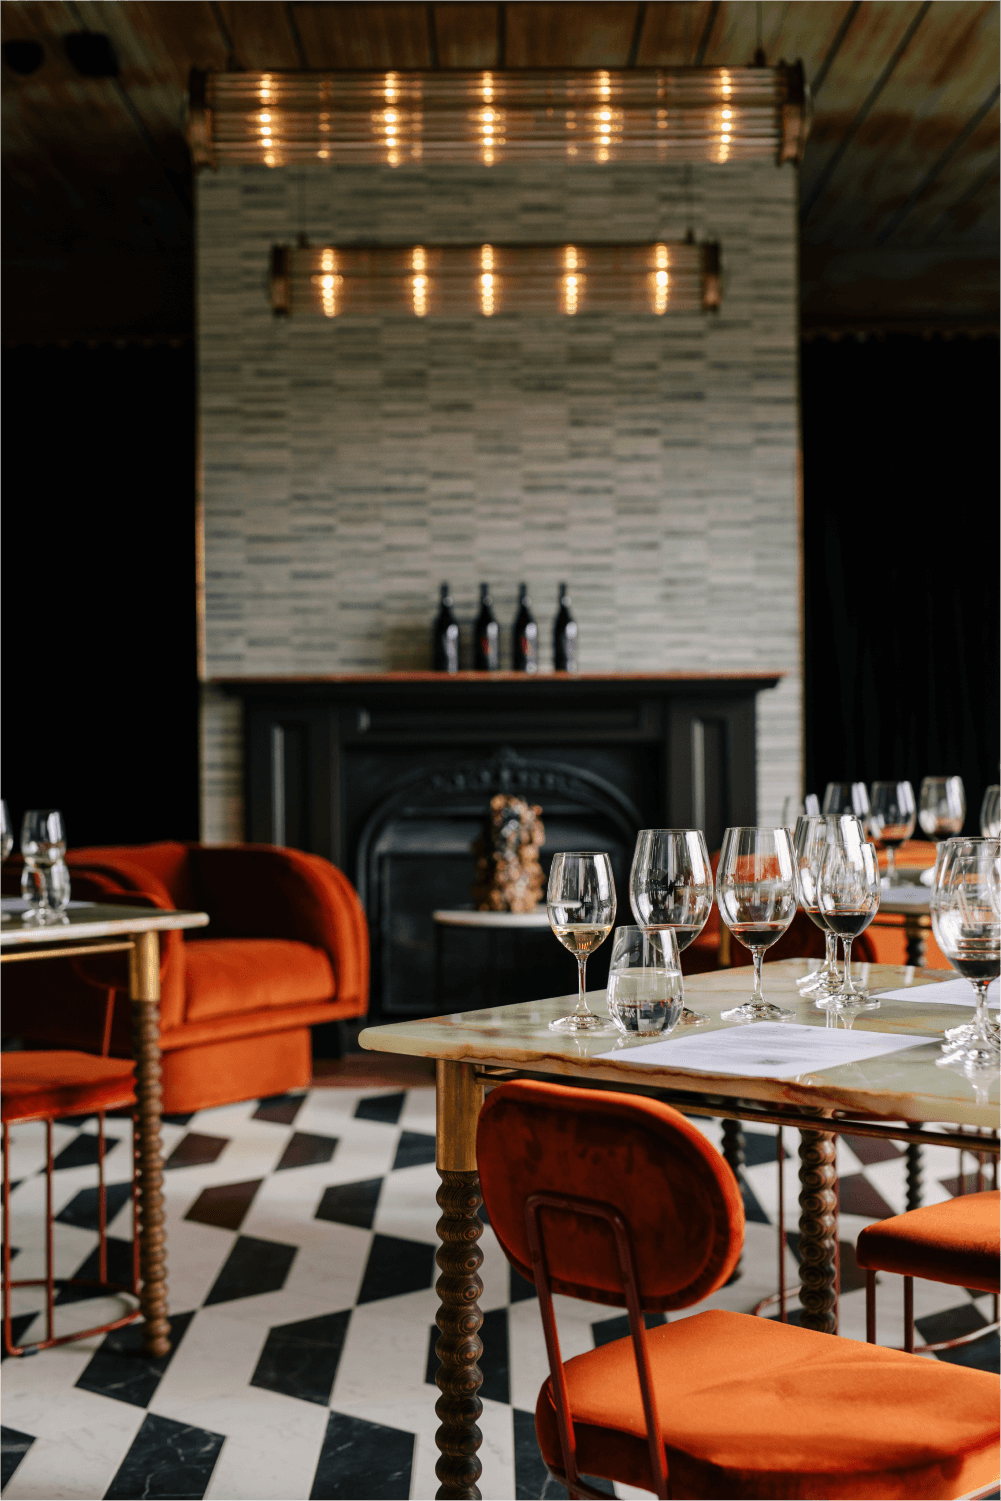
x,y
757,896
581,903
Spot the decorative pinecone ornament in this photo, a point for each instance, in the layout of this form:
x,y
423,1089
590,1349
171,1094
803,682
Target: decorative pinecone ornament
x,y
508,874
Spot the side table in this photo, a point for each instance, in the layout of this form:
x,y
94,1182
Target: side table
x,y
491,923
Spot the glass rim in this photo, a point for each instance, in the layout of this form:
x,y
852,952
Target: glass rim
x,y
680,829
588,854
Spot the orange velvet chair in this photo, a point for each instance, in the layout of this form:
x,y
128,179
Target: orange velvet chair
x,y
622,1201
958,1242
43,1087
286,948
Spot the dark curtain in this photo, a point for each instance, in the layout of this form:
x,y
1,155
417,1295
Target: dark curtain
x,y
900,448
100,690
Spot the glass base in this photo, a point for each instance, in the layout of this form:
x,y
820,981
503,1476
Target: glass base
x,y
966,1031
817,980
585,1021
853,1000
755,1011
690,1018
975,1054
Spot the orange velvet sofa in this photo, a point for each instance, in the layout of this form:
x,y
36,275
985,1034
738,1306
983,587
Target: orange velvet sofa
x,y
286,948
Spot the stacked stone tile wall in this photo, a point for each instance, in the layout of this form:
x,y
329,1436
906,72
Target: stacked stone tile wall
x,y
350,466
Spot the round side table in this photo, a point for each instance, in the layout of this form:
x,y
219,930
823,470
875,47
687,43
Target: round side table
x,y
493,924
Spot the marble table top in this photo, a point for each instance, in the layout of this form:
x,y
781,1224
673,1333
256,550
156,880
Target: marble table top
x,y
904,1085
467,917
96,920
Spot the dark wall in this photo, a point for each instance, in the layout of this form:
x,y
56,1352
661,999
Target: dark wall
x,y
900,444
100,706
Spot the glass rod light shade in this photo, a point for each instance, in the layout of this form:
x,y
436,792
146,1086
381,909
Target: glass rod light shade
x,y
483,280
635,115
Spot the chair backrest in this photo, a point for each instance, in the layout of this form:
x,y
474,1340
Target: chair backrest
x,y
678,1197
134,866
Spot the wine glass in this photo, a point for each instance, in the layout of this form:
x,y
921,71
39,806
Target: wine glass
x,y
846,797
942,807
645,988
756,894
891,819
6,843
848,889
990,812
43,845
671,886
968,931
581,902
799,807
809,841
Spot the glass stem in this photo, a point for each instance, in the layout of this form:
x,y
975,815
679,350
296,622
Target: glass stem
x,y
757,955
581,985
831,957
891,867
846,944
980,1014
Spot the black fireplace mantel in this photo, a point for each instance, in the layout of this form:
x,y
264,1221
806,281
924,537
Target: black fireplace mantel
x,y
389,776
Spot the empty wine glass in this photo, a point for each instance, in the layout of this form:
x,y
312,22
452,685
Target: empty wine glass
x,y
810,839
757,895
645,988
891,819
6,843
43,845
990,813
942,807
581,902
671,886
968,931
848,890
846,797
799,807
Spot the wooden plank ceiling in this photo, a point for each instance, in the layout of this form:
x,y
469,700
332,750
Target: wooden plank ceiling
x,y
899,185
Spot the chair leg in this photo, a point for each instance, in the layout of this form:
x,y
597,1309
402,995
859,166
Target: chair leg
x,y
102,1204
909,1315
7,1331
870,1307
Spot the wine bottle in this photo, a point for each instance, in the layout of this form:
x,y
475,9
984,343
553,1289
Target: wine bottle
x,y
564,635
486,635
445,636
525,635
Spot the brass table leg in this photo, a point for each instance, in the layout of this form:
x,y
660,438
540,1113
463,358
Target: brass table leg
x,y
818,1231
460,1096
144,989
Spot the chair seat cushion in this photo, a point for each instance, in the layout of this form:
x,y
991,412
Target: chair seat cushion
x,y
253,974
40,1085
958,1241
752,1408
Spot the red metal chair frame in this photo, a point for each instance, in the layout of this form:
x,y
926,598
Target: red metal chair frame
x,y
630,1284
50,1282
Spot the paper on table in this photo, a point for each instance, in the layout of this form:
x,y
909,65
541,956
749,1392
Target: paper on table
x,y
946,993
769,1050
907,894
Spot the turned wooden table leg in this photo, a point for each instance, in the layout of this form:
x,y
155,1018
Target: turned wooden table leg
x,y
914,1173
818,1231
915,938
733,1154
460,1096
144,989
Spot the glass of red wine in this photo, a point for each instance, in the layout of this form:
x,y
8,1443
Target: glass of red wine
x,y
892,816
848,890
967,925
757,896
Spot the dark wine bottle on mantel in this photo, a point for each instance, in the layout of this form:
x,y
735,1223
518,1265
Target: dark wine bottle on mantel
x,y
445,636
486,635
564,635
525,635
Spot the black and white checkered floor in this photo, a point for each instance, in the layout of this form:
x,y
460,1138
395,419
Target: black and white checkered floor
x,y
301,1260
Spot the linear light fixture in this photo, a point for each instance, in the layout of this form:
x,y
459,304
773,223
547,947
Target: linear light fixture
x,y
333,281
636,115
